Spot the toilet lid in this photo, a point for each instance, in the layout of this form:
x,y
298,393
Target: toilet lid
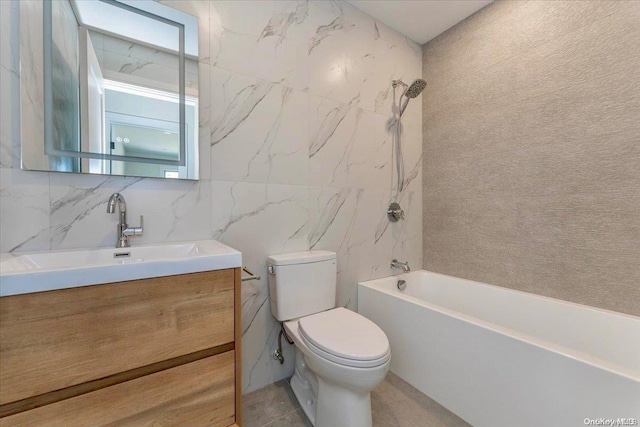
x,y
345,334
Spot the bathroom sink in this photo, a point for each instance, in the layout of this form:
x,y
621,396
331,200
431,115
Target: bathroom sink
x,y
43,271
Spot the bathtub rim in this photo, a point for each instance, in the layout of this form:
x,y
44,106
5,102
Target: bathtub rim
x,y
568,352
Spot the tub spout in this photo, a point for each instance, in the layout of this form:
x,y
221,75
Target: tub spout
x,y
403,265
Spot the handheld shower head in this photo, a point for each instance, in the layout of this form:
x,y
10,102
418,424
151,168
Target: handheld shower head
x,y
415,88
411,92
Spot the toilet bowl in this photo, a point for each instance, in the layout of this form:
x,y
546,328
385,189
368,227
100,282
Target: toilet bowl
x,y
344,357
340,355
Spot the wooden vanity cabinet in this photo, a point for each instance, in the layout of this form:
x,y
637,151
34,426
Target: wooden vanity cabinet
x,y
160,351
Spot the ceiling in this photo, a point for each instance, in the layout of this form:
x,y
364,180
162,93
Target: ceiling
x,y
420,20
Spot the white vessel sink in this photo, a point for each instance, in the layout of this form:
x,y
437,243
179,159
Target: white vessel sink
x,y
28,272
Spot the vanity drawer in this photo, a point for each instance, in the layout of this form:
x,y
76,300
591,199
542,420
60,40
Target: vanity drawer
x,y
200,393
53,340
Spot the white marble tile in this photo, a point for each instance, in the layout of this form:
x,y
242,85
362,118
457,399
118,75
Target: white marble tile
x,y
261,18
78,211
262,127
362,249
9,86
346,147
204,120
346,13
395,38
341,64
234,96
24,210
347,290
281,60
344,221
79,216
259,368
262,39
369,164
174,210
393,63
259,332
325,21
331,215
347,282
259,220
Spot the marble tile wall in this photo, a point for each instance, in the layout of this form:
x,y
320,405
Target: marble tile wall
x,y
296,154
532,150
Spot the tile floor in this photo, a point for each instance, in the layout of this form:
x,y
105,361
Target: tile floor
x,y
394,403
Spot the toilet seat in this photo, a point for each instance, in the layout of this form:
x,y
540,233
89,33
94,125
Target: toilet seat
x,y
345,337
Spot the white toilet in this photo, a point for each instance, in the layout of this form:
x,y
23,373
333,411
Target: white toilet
x,y
340,355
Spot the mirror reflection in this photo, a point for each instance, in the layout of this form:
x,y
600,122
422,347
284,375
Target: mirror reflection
x,y
120,89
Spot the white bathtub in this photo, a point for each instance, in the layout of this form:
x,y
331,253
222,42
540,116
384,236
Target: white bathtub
x,y
498,357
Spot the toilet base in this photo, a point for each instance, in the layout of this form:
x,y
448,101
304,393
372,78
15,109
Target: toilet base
x,y
327,404
340,406
307,400
304,384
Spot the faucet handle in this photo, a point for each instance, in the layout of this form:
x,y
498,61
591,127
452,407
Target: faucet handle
x,y
138,230
135,231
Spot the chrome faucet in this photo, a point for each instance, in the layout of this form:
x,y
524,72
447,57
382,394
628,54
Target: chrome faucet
x,y
123,230
403,265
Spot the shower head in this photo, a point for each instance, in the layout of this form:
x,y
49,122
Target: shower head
x,y
415,88
410,92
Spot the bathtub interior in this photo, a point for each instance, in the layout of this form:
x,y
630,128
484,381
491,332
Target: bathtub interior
x,y
597,336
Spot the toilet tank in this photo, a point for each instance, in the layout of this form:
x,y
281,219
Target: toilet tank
x,y
301,283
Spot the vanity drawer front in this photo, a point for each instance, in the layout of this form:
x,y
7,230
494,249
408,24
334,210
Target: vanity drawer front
x,y
200,393
53,340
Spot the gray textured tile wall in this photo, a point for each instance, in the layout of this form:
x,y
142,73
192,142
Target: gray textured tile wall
x,y
531,153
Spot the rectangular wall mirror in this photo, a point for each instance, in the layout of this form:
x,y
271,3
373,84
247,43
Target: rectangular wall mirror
x,y
109,87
